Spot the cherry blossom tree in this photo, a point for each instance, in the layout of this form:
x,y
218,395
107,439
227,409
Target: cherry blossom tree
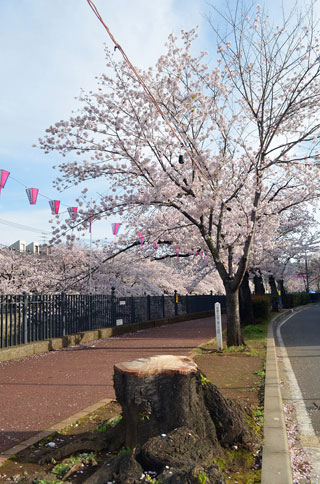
x,y
314,272
48,273
67,269
275,255
213,152
274,259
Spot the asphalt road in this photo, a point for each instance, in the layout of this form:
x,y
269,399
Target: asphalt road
x,y
301,337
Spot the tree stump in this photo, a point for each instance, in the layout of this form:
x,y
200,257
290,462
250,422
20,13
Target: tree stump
x,y
175,416
175,424
159,394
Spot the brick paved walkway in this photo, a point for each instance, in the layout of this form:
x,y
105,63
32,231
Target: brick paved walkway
x,y
39,391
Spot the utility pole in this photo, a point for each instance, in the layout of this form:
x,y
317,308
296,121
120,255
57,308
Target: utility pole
x,y
90,265
90,249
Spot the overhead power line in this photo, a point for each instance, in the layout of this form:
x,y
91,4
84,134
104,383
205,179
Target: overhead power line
x,y
22,227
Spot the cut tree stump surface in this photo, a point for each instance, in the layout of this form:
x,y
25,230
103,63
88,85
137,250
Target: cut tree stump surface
x,y
39,391
165,364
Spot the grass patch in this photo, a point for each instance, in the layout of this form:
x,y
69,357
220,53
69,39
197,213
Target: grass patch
x,y
111,422
240,466
78,461
202,477
46,481
125,450
204,380
254,336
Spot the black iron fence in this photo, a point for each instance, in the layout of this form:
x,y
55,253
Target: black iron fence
x,y
34,317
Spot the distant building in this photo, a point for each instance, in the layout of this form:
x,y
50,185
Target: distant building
x,y
33,248
20,245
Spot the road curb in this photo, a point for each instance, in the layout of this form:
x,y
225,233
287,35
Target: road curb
x,y
276,464
298,401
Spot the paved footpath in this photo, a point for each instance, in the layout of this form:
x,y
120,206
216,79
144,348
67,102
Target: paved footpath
x,y
39,391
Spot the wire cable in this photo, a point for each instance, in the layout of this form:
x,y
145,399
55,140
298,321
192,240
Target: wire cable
x,y
144,86
22,227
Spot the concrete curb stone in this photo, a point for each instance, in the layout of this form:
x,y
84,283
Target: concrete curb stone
x,y
276,464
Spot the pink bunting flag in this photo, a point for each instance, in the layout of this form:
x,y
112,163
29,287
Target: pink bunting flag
x,y
3,178
54,205
72,212
115,229
141,238
32,195
177,251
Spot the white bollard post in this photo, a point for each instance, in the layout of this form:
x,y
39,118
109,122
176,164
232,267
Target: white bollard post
x,y
217,308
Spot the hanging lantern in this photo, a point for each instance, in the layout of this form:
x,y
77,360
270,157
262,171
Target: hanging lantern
x,y
32,195
54,205
3,178
72,212
115,228
177,251
141,238
155,245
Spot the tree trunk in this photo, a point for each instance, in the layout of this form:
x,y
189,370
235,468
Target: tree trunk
x,y
283,294
258,284
281,287
245,302
276,306
234,336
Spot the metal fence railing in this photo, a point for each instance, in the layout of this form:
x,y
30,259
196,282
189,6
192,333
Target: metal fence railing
x,y
26,318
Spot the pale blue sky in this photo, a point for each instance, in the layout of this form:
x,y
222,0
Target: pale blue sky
x,y
49,50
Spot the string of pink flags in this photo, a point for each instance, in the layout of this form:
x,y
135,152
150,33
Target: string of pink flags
x,y
32,194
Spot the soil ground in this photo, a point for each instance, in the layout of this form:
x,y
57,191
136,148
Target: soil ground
x,y
237,372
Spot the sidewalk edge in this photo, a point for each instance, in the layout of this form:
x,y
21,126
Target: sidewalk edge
x,y
9,453
276,465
